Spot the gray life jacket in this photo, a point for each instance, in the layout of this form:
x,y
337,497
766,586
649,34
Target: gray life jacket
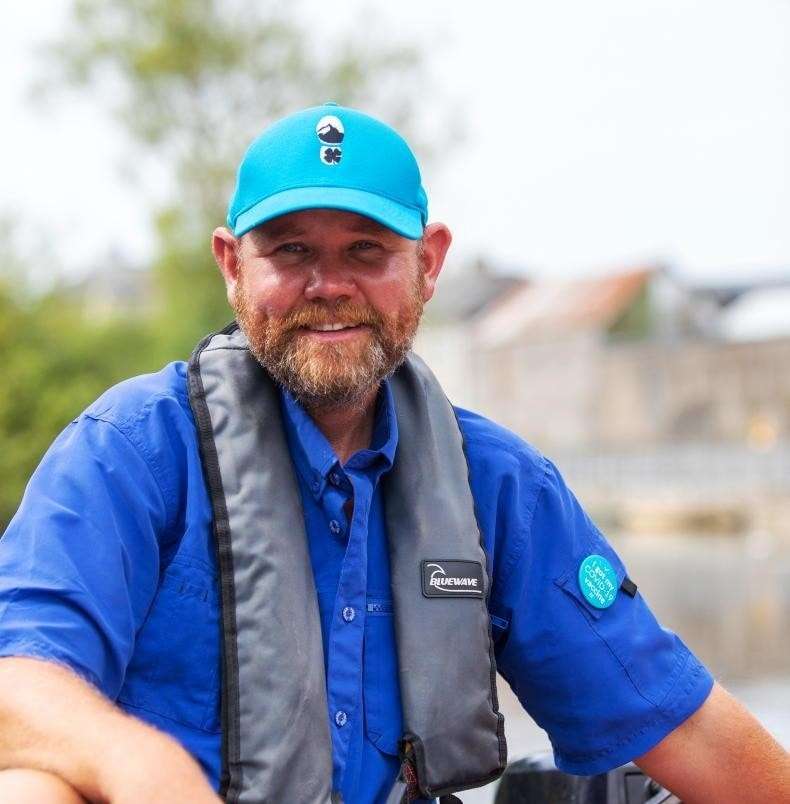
x,y
276,744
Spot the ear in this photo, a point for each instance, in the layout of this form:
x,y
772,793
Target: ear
x,y
436,240
225,248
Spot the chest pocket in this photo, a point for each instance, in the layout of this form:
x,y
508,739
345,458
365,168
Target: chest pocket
x,y
383,713
175,668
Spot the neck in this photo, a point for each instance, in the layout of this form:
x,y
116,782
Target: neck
x,y
348,428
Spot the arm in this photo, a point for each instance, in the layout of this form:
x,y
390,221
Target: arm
x,y
79,569
722,754
53,721
606,684
23,786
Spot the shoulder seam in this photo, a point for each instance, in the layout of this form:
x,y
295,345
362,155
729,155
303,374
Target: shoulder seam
x,y
514,557
140,450
498,435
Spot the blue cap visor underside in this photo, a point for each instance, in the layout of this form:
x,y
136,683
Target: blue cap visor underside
x,y
406,221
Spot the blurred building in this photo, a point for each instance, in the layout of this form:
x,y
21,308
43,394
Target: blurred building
x,y
661,404
632,358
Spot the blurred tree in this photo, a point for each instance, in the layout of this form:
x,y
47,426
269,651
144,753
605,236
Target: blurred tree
x,y
192,82
55,363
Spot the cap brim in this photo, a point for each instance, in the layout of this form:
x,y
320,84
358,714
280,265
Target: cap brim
x,y
406,221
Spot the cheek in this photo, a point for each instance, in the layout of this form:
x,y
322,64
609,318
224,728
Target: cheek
x,y
270,295
402,290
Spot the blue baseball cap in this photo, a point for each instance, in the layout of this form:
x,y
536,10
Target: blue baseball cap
x,y
330,157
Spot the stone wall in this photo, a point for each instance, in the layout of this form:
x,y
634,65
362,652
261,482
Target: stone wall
x,y
581,392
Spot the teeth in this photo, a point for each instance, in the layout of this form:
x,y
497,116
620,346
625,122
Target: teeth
x,y
329,327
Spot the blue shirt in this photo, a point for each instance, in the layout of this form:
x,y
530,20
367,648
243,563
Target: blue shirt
x,y
108,567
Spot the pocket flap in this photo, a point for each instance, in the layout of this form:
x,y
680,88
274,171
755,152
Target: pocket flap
x,y
599,585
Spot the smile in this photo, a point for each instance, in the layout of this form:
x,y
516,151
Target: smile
x,y
334,332
332,327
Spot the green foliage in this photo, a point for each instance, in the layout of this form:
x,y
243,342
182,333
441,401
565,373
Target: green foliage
x,y
193,292
636,323
191,83
55,363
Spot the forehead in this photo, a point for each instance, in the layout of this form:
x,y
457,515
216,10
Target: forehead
x,y
319,222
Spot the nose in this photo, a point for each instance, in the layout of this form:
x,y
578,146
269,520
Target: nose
x,y
330,280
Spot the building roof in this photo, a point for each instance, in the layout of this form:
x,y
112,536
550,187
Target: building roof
x,y
756,315
541,309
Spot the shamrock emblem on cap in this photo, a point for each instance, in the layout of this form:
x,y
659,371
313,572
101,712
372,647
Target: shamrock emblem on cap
x,y
331,155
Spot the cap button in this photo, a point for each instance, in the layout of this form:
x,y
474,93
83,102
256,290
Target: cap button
x,y
331,103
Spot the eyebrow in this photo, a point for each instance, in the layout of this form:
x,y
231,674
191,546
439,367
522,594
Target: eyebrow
x,y
278,230
274,231
368,226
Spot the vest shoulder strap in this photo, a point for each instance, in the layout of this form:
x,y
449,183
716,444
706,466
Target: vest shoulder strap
x,y
276,744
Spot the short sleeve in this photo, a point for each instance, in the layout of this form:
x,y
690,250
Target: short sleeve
x,y
79,562
607,684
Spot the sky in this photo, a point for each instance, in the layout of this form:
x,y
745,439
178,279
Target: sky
x,y
597,136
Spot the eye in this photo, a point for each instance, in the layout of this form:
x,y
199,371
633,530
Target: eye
x,y
365,245
291,248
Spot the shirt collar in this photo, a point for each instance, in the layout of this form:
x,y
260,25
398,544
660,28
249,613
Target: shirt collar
x,y
313,454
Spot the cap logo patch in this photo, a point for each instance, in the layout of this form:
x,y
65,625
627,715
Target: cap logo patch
x,y
330,130
331,156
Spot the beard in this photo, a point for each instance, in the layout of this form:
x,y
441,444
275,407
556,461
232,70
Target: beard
x,y
332,374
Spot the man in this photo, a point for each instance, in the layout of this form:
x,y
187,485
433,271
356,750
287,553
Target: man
x,y
289,570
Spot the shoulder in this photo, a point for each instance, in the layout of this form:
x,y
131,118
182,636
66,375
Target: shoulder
x,y
150,409
526,510
151,412
494,450
507,477
160,396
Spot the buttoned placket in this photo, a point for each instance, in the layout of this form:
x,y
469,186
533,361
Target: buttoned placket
x,y
346,637
344,496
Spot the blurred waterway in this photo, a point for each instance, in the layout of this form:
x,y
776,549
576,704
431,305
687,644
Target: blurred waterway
x,y
729,599
727,596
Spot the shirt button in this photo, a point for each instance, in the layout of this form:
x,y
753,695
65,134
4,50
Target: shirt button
x,y
348,614
334,526
334,478
341,718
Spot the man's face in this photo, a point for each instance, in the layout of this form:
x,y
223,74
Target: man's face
x,y
330,302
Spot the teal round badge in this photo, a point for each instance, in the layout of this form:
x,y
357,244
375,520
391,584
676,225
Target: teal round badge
x,y
598,581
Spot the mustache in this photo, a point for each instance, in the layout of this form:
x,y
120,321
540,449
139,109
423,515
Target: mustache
x,y
341,313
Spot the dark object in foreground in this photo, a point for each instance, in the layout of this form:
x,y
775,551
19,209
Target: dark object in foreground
x,y
535,780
